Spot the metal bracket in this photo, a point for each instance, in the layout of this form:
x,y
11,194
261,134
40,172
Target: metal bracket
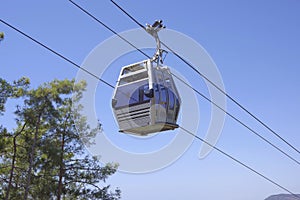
x,y
153,30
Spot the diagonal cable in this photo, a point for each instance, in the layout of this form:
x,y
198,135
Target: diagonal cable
x,y
240,162
219,150
206,98
213,84
56,53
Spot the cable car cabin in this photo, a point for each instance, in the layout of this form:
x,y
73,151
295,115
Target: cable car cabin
x,y
145,99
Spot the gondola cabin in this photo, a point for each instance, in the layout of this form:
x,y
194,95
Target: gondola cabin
x,y
145,99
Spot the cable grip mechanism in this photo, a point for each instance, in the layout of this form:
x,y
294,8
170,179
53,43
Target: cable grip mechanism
x,y
153,30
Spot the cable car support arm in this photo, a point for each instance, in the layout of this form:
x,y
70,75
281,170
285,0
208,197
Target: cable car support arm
x,y
153,30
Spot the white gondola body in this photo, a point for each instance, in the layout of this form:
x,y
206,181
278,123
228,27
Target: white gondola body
x,y
145,99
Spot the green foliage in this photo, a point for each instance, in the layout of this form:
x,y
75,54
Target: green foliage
x,y
14,90
44,157
1,36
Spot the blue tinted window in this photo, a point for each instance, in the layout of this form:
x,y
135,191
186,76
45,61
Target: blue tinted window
x,y
122,98
177,108
171,100
163,95
135,97
156,93
132,94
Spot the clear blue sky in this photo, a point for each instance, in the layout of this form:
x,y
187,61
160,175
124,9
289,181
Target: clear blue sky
x,y
255,45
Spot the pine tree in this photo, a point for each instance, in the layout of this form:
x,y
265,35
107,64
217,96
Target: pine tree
x,y
44,157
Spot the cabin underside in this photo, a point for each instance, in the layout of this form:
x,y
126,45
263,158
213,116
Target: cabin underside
x,y
145,130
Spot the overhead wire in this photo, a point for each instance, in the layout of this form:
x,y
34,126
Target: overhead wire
x,y
202,95
239,162
85,11
56,53
64,57
107,27
236,119
213,84
106,83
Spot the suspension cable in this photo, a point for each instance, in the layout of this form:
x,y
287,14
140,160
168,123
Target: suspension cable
x,y
93,75
213,84
206,98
